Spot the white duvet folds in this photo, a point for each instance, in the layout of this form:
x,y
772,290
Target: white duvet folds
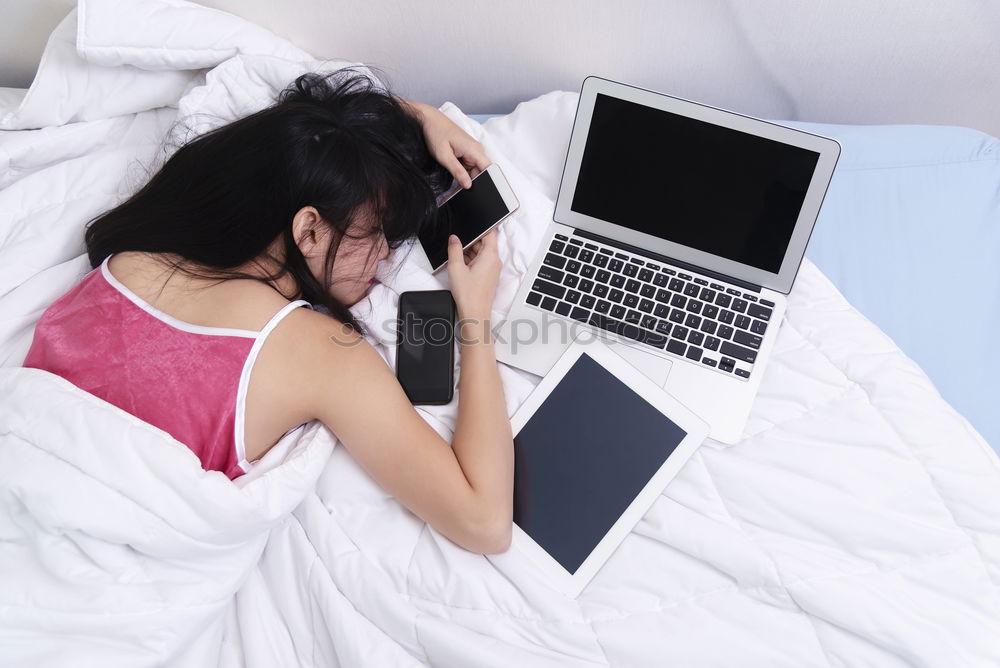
x,y
856,524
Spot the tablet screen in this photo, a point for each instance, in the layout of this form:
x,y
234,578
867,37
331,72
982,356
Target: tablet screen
x,y
583,457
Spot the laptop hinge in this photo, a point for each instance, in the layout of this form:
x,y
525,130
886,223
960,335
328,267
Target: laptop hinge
x,y
667,260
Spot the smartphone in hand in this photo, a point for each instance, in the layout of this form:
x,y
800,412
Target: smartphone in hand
x,y
469,213
425,346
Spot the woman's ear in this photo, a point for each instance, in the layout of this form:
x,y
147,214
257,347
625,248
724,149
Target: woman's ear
x,y
306,229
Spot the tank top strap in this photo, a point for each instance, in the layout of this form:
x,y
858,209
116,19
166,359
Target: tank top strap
x,y
241,394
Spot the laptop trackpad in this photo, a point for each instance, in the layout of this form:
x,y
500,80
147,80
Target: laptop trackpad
x,y
654,367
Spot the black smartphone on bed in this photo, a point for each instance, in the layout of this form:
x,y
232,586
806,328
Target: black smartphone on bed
x,y
469,214
425,346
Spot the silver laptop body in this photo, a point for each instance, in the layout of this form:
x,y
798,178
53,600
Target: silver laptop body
x,y
678,231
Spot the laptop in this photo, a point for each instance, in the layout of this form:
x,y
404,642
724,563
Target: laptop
x,y
677,234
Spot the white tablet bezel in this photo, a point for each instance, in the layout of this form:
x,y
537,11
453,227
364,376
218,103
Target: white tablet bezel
x,y
571,584
781,281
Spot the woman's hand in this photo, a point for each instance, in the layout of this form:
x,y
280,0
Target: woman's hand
x,y
474,284
450,145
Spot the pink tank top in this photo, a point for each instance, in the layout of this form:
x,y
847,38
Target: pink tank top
x,y
189,380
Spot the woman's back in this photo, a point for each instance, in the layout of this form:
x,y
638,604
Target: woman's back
x,y
176,351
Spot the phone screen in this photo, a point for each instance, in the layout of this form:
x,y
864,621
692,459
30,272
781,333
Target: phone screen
x,y
467,214
425,335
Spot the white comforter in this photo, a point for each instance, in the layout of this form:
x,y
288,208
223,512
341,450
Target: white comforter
x,y
857,524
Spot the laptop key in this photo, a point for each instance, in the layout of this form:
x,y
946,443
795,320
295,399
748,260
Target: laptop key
x,y
709,361
725,332
616,295
533,298
680,333
660,280
694,306
648,321
646,275
587,255
676,285
547,288
663,296
588,301
576,242
727,364
618,312
571,251
601,290
758,311
711,311
676,315
742,322
663,327
685,277
712,343
723,300
631,300
573,267
662,311
696,338
647,290
561,237
587,270
562,308
603,275
586,286
758,327
590,246
630,269
693,353
617,280
557,261
633,317
601,260
602,306
740,306
557,246
765,302
548,303
691,290
632,285
679,301
739,352
709,326
692,321
676,347
742,373
581,314
572,296
707,295
550,274
747,339
646,306
571,280
616,265
726,316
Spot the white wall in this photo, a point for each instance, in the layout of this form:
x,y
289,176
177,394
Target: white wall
x,y
847,61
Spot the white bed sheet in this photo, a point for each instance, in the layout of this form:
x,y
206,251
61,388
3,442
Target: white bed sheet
x,y
858,523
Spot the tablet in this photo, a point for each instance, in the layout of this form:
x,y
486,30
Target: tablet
x,y
594,445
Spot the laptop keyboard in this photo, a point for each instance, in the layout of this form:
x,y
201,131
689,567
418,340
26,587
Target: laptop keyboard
x,y
689,317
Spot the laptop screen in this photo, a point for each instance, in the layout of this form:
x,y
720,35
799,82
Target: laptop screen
x,y
718,190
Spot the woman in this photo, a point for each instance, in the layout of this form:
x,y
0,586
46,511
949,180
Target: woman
x,y
191,319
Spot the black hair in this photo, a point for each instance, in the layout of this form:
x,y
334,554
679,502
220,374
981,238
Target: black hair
x,y
337,142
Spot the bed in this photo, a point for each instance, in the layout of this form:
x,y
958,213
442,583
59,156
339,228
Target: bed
x,y
856,524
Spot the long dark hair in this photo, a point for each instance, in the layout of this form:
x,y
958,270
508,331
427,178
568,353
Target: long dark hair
x,y
337,142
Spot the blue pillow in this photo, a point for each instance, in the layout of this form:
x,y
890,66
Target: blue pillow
x,y
910,234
